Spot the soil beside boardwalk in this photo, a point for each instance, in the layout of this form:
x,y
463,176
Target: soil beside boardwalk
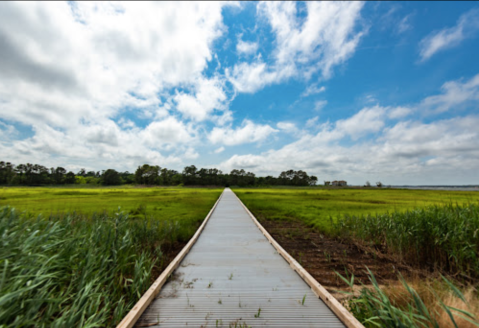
x,y
323,256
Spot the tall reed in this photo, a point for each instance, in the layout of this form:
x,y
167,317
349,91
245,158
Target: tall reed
x,y
75,271
440,237
404,308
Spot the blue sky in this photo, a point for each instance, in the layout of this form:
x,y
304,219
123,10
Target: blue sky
x,y
378,91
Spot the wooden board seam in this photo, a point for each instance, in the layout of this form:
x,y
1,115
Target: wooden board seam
x,y
132,317
341,312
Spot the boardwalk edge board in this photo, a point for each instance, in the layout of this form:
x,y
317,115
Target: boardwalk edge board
x,y
132,317
343,314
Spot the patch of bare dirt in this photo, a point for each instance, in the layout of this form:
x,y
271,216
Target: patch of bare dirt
x,y
169,253
323,256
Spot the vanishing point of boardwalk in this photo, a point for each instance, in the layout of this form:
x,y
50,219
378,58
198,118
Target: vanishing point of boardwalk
x,y
233,275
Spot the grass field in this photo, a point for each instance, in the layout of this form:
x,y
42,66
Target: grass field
x,y
425,228
69,258
316,207
164,203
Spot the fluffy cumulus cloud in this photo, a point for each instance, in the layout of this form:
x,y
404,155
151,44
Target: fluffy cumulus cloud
x,y
167,132
288,127
251,77
367,120
467,26
405,153
71,70
248,132
386,146
115,85
209,96
246,47
327,37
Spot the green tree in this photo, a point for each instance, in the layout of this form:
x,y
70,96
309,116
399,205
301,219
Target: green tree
x,y
7,172
58,175
148,174
69,178
313,180
110,178
80,179
190,175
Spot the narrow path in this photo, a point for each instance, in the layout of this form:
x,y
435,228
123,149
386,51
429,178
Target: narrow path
x,y
229,275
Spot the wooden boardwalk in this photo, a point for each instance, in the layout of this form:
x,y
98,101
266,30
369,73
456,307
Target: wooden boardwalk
x,y
234,277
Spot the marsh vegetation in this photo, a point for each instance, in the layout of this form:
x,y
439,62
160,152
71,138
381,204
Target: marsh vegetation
x,y
69,259
321,207
421,234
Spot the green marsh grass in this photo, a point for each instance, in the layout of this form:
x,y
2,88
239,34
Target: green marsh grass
x,y
78,266
445,237
438,228
320,207
169,202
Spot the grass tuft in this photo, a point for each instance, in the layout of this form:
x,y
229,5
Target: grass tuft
x,y
445,237
405,306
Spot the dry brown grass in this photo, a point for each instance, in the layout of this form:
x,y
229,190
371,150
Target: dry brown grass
x,y
426,289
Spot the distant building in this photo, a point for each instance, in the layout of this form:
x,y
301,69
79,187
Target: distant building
x,y
340,183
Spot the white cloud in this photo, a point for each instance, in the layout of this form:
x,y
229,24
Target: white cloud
x,y
370,99
190,154
246,48
312,122
126,123
118,51
385,149
318,105
168,131
69,70
326,38
7,132
135,85
219,150
467,26
106,133
244,162
119,48
108,145
312,90
455,95
406,153
209,96
404,24
250,78
399,112
287,127
366,121
247,133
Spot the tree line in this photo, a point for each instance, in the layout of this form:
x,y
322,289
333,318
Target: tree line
x,y
153,175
